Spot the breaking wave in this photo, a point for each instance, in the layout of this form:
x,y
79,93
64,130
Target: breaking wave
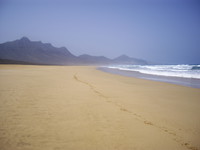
x,y
183,71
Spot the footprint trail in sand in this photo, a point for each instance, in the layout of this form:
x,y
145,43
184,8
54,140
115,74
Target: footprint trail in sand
x,y
138,117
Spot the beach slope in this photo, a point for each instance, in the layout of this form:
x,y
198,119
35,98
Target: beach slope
x,y
64,107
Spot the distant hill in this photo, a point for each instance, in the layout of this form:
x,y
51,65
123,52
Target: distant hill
x,y
24,51
88,59
123,59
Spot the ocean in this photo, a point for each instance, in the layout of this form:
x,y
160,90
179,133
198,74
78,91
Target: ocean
x,y
187,75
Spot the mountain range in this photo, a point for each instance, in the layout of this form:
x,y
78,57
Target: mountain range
x,y
25,51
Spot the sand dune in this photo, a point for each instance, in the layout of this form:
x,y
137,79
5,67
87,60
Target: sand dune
x,y
81,108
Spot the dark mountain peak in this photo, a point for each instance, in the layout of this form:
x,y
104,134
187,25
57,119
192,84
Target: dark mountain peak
x,y
24,39
35,52
23,42
63,49
47,44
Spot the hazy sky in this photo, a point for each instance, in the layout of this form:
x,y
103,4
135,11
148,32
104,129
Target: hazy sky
x,y
166,31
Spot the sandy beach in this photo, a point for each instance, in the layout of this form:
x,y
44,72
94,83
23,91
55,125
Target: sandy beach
x,y
82,108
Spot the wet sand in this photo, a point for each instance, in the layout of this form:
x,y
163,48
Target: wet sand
x,y
63,107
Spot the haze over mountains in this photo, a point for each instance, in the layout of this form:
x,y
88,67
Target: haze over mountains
x,y
24,51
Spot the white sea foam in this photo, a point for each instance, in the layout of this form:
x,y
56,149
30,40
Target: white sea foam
x,y
184,71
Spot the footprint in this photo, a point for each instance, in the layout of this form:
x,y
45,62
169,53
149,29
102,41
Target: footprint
x,y
148,123
123,109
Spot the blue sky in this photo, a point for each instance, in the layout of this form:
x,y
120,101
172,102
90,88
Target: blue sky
x,y
166,31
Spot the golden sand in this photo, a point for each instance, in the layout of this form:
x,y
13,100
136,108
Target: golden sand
x,y
81,108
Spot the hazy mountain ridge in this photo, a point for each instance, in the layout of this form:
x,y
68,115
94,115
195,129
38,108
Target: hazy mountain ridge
x,y
24,51
128,60
35,52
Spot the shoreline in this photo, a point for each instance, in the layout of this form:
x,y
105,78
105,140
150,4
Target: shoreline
x,y
188,82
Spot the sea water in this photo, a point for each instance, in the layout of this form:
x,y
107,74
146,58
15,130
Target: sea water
x,y
183,71
187,75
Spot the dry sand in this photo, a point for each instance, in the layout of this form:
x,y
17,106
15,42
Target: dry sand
x,y
81,108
